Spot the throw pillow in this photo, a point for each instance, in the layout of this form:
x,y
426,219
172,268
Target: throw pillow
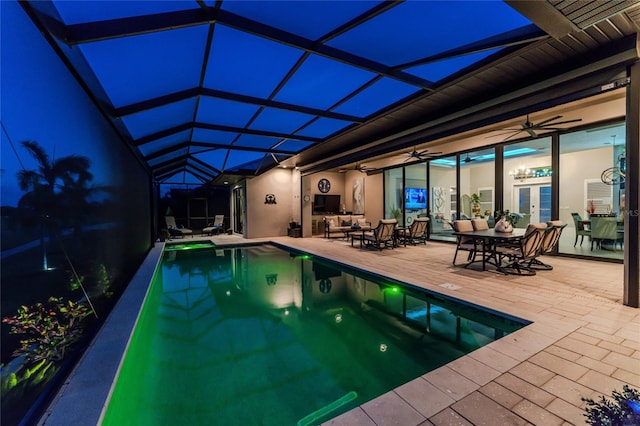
x,y
346,223
331,222
362,221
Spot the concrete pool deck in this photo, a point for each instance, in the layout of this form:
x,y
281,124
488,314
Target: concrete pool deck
x,y
583,342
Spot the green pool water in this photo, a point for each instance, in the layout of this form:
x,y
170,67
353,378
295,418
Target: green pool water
x,y
261,336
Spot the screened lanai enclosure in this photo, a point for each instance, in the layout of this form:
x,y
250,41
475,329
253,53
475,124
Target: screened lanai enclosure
x,y
117,113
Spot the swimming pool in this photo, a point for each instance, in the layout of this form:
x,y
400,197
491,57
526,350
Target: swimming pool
x,y
261,336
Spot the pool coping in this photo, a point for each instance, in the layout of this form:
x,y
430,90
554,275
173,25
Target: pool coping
x,y
84,395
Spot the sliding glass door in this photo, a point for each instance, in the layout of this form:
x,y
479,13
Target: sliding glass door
x,y
592,167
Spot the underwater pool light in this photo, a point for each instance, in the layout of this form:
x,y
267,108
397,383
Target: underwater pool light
x,y
189,246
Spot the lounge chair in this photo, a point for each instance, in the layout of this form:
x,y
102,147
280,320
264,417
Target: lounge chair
x,y
416,233
382,236
175,230
216,227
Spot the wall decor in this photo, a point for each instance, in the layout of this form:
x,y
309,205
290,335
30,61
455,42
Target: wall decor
x,y
270,199
324,185
358,196
272,279
438,199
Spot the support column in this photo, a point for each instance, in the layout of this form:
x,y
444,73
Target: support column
x,y
632,189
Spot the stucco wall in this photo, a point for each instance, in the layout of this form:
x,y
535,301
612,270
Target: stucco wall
x,y
271,220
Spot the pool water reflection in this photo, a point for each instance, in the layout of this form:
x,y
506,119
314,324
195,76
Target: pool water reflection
x,y
261,336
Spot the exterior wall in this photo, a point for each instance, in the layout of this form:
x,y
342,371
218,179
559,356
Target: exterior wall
x,y
271,220
374,201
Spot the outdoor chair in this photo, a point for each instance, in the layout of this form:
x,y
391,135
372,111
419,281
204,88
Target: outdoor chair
x,y
416,233
480,224
549,243
521,255
175,230
463,243
582,228
215,227
380,237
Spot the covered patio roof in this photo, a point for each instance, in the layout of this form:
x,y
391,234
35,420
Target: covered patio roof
x,y
213,91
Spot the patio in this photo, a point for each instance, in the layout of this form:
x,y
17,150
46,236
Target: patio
x,y
583,343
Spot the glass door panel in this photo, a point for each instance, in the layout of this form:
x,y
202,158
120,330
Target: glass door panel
x,y
527,180
534,204
443,192
415,192
590,164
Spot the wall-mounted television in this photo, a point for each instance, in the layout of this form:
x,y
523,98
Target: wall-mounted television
x,y
325,203
415,198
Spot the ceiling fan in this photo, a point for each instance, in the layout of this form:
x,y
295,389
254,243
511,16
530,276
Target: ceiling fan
x,y
420,155
468,159
359,167
531,128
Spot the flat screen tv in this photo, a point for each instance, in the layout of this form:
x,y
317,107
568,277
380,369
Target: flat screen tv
x,y
324,203
415,198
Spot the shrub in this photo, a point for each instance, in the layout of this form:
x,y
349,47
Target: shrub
x,y
49,328
624,410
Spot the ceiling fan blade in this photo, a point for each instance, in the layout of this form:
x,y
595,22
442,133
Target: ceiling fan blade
x,y
547,120
532,133
507,131
427,153
509,137
564,122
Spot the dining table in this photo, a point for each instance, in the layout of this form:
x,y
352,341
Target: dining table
x,y
489,239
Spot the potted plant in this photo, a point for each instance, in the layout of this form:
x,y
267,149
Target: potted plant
x,y
511,218
475,204
396,213
505,221
164,235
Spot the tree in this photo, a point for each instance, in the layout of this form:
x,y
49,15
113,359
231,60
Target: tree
x,y
51,190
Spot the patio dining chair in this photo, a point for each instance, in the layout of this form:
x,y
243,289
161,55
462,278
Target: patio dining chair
x,y
464,243
550,241
382,236
520,256
480,224
416,233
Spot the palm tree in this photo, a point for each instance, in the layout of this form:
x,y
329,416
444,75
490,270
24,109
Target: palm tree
x,y
47,187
